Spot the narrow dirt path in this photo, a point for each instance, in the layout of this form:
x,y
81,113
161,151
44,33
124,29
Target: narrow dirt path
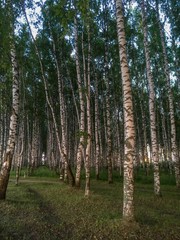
x,y
53,224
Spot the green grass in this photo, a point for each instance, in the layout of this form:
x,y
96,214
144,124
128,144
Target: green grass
x,y
42,171
44,208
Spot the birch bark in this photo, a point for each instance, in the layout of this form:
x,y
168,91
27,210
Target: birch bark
x,y
49,103
88,116
80,150
174,150
97,147
6,166
129,135
154,146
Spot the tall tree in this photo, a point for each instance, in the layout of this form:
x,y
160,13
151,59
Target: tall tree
x,y
62,153
96,128
6,166
80,150
88,114
129,131
152,113
107,97
174,150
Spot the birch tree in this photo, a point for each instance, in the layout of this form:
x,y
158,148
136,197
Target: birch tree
x,y
154,145
88,115
6,166
96,122
129,131
80,149
174,151
63,155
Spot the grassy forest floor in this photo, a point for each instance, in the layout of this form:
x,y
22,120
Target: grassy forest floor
x,y
44,208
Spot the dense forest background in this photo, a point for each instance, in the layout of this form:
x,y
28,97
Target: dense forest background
x,y
70,89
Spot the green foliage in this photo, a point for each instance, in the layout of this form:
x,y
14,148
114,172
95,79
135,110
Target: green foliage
x,y
41,172
44,171
49,210
79,134
165,177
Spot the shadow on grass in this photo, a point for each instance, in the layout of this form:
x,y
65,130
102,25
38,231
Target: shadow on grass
x,y
31,219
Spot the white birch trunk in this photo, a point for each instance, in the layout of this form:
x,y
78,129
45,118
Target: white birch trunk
x,y
154,146
128,187
34,145
108,120
61,110
97,148
80,150
61,152
6,167
174,150
88,116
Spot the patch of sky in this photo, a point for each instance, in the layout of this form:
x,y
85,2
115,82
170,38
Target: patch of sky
x,y
34,17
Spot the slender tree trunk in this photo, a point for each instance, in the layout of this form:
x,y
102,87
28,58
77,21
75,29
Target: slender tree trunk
x,y
129,131
96,122
19,150
154,146
145,160
138,157
174,150
28,147
19,160
63,156
108,120
6,167
1,128
34,145
88,111
62,109
164,134
74,98
120,145
80,150
107,98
